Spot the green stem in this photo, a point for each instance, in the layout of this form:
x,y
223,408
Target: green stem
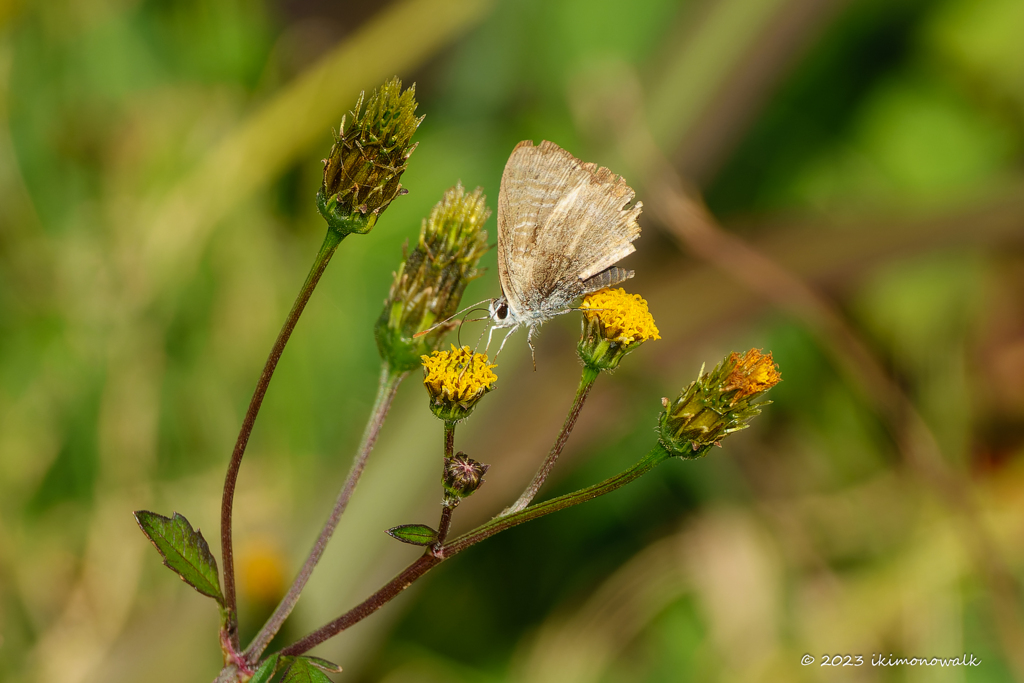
x,y
386,390
586,382
655,457
327,249
434,556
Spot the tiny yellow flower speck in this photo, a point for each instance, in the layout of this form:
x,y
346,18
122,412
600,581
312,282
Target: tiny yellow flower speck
x,y
457,375
623,316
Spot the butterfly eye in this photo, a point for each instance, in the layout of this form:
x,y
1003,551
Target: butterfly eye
x,y
502,311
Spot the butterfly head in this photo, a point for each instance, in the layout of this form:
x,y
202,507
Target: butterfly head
x,y
500,314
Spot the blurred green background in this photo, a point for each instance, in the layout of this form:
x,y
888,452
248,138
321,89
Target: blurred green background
x,y
158,163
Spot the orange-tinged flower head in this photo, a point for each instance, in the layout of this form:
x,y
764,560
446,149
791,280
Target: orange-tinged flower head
x,y
717,403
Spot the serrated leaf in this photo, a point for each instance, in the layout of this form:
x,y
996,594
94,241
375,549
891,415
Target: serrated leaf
x,y
414,534
323,664
184,550
265,671
302,670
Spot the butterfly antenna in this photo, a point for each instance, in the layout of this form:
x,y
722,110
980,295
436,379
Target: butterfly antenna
x,y
458,334
447,320
480,339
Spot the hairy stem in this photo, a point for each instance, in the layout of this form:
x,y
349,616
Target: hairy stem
x,y
445,524
435,556
586,382
449,438
323,257
386,390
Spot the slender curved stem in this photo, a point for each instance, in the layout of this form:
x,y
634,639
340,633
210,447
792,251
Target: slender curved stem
x,y
433,557
386,390
586,382
323,257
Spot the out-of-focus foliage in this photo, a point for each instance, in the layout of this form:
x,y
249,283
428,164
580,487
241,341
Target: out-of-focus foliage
x,y
874,149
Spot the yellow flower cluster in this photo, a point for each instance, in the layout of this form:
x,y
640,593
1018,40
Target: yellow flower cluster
x,y
754,373
624,317
457,375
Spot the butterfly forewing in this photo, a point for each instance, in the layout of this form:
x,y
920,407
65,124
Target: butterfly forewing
x,y
560,222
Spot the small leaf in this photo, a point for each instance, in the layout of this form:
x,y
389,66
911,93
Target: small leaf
x,y
266,670
184,550
304,671
323,664
414,534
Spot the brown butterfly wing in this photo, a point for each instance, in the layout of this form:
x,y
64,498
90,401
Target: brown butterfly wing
x,y
560,222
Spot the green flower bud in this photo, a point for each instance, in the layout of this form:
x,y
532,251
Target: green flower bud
x,y
717,404
370,153
462,476
430,281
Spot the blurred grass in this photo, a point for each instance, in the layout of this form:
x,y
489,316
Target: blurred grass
x,y
157,169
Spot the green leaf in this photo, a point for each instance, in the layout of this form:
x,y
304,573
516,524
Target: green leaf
x,y
414,534
266,670
184,550
302,670
323,664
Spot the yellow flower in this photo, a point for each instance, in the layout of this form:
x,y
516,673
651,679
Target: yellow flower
x,y
456,380
624,317
614,323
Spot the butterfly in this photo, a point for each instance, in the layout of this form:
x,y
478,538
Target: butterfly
x,y
562,226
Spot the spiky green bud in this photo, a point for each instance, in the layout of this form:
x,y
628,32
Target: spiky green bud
x,y
717,403
429,283
370,153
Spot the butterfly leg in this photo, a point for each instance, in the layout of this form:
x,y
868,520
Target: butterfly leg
x,y
490,333
514,328
533,351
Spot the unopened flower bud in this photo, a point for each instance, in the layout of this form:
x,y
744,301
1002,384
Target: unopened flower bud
x,y
717,403
429,283
462,476
456,380
370,153
614,323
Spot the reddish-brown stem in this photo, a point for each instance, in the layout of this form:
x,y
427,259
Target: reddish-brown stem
x,y
445,524
388,387
449,438
327,249
435,556
386,594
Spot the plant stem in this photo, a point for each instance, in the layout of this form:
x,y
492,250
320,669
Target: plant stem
x,y
433,557
586,382
655,457
323,257
386,390
449,504
449,438
444,525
